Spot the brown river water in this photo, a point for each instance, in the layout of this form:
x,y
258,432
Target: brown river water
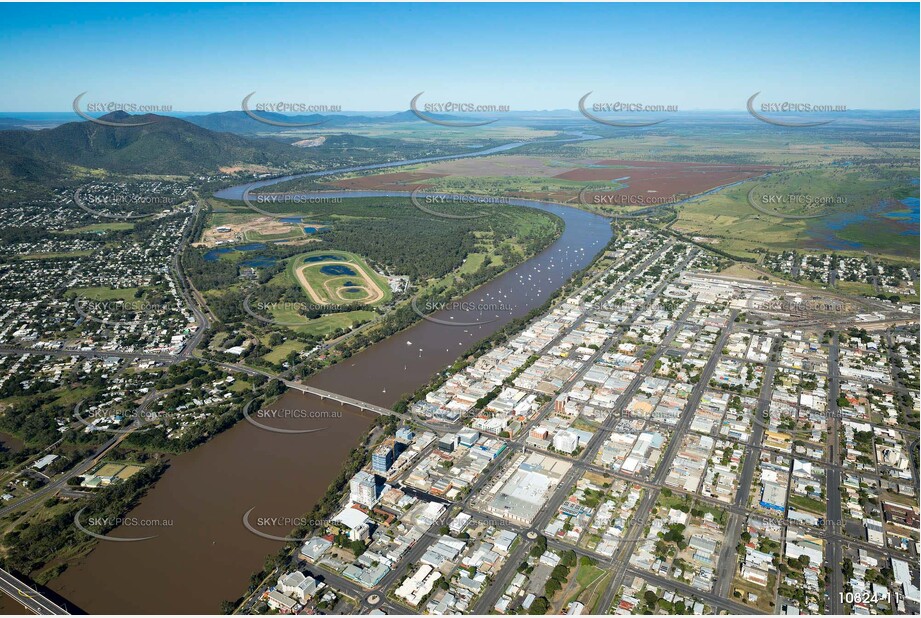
x,y
205,555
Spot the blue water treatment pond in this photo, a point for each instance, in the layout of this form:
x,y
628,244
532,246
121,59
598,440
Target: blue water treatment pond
x,y
322,258
338,270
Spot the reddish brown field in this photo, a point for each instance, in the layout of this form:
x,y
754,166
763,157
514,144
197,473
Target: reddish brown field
x,y
666,178
395,181
644,183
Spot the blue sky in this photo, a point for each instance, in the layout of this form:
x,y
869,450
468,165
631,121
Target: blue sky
x,y
206,57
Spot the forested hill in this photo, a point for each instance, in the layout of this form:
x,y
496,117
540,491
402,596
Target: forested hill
x,y
165,146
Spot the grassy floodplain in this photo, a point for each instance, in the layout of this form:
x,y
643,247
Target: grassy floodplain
x,y
732,224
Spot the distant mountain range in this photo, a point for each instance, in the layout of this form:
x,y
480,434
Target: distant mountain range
x,y
14,123
241,122
165,146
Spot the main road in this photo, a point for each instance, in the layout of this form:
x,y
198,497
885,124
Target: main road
x,y
833,515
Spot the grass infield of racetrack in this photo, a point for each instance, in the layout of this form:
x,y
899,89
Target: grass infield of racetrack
x,y
328,289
